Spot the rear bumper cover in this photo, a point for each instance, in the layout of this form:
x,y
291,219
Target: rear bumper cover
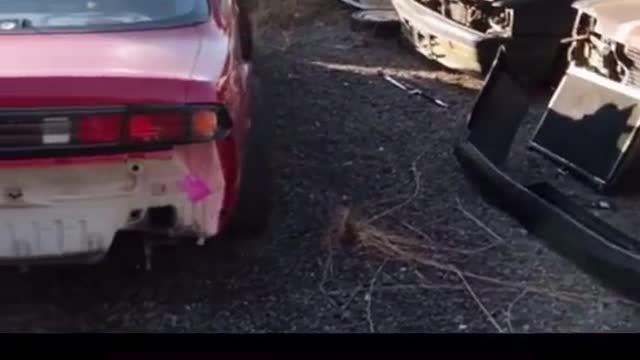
x,y
56,213
595,246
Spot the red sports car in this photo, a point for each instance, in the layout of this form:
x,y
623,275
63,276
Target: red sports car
x,y
121,116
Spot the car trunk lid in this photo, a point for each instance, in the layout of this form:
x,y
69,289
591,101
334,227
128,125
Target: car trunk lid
x,y
97,68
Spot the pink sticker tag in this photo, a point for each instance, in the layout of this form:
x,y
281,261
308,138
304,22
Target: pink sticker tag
x,y
195,188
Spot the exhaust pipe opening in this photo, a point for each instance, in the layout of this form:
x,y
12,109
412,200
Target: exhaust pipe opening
x,y
164,217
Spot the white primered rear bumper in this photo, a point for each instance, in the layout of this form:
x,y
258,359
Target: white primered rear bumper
x,y
55,212
60,231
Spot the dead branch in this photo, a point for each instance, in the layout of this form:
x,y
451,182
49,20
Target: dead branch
x,y
389,246
337,232
339,229
481,305
508,314
323,290
352,296
369,297
485,227
412,287
416,191
444,248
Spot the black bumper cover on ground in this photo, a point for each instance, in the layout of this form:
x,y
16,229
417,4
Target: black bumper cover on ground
x,y
595,246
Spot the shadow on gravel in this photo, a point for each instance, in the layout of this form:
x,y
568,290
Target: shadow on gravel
x,y
70,298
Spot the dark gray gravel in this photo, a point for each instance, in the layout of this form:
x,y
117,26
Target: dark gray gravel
x,y
344,138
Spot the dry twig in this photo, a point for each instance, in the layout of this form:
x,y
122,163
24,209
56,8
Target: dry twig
x,y
508,314
416,191
337,232
481,305
373,240
399,248
369,297
352,296
444,248
499,239
413,287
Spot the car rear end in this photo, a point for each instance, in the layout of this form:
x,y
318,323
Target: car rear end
x,y
111,127
73,177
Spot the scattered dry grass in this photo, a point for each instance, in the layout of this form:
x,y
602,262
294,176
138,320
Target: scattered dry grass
x,y
353,230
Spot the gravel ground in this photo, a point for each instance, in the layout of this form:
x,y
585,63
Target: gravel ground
x,y
345,140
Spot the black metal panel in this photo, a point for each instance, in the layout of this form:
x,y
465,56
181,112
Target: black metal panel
x,y
498,111
622,242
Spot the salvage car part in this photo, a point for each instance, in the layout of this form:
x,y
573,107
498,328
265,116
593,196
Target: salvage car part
x,y
466,34
370,4
144,132
592,123
594,245
378,22
413,91
591,127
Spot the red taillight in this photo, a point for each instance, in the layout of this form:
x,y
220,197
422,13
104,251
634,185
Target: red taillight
x,y
99,128
120,128
156,126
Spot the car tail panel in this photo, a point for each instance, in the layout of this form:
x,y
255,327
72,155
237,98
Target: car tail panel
x,y
52,131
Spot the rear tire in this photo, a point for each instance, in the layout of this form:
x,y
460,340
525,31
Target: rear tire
x,y
252,212
245,27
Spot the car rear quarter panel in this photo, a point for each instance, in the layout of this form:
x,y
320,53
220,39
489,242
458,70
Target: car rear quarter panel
x,y
229,79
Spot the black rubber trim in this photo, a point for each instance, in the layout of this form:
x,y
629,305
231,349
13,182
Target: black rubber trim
x,y
87,258
589,242
22,152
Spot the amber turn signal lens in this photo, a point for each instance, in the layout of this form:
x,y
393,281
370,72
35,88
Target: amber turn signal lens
x,y
204,123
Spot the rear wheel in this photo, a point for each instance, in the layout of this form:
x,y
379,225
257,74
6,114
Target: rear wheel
x,y
253,207
245,27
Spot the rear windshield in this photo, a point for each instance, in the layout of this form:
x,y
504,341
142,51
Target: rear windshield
x,y
34,15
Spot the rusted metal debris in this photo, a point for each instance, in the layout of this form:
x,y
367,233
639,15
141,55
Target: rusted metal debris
x,y
413,91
